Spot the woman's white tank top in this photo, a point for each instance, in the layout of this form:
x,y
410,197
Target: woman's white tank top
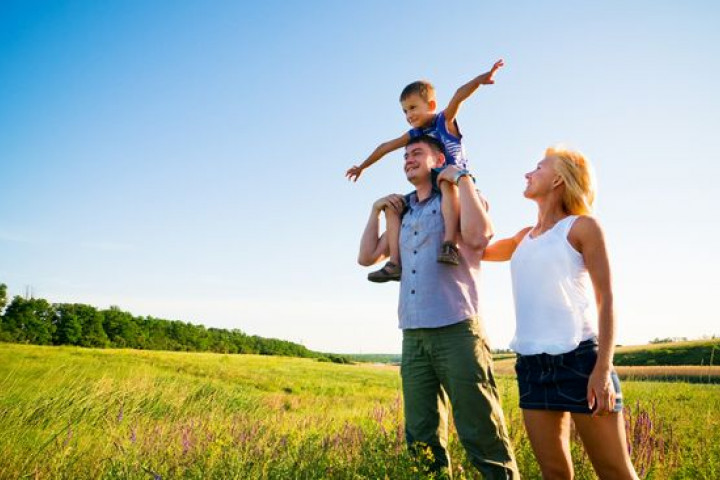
x,y
554,310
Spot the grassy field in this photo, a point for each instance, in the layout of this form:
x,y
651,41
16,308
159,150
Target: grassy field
x,y
82,413
693,352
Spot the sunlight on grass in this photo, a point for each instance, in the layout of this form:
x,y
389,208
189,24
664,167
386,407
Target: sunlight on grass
x,y
81,413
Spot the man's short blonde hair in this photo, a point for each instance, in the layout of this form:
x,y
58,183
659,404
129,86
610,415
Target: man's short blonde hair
x,y
577,174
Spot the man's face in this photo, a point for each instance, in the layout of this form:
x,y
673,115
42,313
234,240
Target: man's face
x,y
420,159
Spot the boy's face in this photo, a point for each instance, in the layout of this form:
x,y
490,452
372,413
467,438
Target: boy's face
x,y
417,111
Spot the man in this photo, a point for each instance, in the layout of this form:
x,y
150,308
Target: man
x,y
444,352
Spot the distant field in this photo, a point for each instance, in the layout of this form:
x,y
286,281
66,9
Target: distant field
x,y
696,352
673,373
82,413
374,357
394,358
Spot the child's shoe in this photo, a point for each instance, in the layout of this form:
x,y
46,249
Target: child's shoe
x,y
449,254
390,272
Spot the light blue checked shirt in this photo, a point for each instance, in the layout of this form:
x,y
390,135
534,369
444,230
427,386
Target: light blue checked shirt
x,y
434,294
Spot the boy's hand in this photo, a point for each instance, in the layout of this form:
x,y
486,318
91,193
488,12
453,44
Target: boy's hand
x,y
487,78
448,174
354,173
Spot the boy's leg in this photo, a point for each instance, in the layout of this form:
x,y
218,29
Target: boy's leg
x,y
426,404
392,270
464,368
392,230
450,206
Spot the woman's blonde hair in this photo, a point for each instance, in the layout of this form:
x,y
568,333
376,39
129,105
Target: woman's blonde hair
x,y
577,174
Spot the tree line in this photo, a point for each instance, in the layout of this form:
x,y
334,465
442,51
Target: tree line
x,y
39,322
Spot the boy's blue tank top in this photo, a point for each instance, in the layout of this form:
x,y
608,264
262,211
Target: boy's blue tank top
x,y
454,150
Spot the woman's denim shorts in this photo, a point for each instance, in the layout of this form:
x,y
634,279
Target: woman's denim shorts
x,y
559,382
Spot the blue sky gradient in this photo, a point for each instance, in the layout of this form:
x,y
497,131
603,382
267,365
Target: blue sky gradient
x,y
185,159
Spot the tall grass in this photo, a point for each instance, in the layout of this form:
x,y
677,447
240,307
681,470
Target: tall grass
x,y
79,413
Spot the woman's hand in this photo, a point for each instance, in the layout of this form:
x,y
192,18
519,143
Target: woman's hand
x,y
601,391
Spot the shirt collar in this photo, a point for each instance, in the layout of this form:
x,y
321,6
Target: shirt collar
x,y
413,201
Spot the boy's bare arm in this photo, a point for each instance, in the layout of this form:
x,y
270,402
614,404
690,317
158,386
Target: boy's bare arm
x,y
383,149
466,90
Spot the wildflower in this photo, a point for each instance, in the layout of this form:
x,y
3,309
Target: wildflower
x,y
186,443
68,437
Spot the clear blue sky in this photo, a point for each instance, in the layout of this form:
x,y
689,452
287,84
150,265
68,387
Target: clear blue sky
x,y
185,159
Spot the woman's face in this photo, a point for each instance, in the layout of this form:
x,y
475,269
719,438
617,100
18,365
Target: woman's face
x,y
543,179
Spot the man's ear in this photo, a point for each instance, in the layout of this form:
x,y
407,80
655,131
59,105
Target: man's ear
x,y
557,181
439,160
433,105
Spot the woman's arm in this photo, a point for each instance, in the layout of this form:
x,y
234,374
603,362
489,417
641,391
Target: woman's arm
x,y
587,237
502,250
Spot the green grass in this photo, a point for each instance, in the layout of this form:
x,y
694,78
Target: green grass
x,y
81,413
695,352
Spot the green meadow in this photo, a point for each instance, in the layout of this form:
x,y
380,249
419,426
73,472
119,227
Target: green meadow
x,y
68,412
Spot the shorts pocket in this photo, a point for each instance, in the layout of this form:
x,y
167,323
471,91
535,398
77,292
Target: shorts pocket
x,y
576,392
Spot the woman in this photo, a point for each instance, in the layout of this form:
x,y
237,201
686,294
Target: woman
x,y
564,363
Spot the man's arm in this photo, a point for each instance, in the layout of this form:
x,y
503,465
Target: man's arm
x,y
464,92
476,228
383,149
374,246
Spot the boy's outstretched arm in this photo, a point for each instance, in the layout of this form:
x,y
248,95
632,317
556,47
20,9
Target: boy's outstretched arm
x,y
383,149
468,89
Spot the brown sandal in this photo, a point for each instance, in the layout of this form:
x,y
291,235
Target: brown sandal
x,y
449,254
390,272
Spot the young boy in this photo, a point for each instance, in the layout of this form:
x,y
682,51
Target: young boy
x,y
419,105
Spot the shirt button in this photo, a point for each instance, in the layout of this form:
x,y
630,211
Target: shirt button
x,y
413,271
415,233
412,291
415,252
434,211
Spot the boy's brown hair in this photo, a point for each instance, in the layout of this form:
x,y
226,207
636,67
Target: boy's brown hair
x,y
423,88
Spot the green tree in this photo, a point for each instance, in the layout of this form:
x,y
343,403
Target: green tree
x,y
3,297
28,320
93,333
121,328
68,329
